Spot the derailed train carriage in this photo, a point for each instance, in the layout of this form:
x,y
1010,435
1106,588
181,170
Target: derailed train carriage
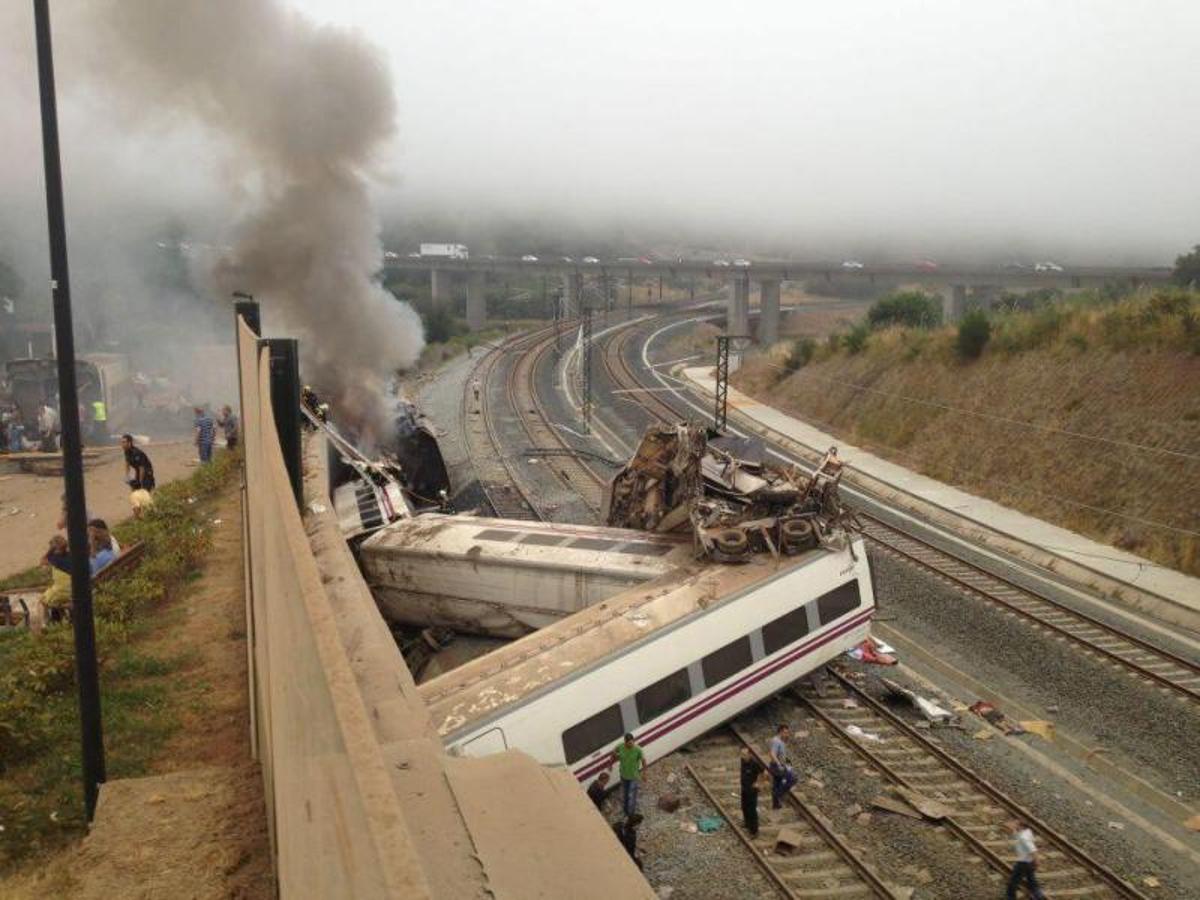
x,y
667,660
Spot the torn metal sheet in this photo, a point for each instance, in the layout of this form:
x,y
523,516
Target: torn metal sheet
x,y
735,503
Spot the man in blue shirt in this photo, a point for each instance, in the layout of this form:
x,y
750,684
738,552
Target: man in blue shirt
x,y
206,433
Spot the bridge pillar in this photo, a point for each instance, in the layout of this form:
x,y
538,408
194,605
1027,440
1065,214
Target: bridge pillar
x,y
737,317
954,302
476,302
572,290
768,321
440,286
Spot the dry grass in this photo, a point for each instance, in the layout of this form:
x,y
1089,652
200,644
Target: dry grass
x,y
1043,423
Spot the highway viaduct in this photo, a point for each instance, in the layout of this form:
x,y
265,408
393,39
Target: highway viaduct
x,y
959,286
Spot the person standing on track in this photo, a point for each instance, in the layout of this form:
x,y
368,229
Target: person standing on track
x,y
632,761
751,770
1026,863
783,776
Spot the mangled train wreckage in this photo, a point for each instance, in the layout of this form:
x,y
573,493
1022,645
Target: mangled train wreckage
x,y
717,580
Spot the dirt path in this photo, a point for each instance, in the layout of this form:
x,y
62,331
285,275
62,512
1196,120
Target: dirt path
x,y
196,828
30,504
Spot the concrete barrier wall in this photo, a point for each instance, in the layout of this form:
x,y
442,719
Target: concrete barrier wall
x,y
336,826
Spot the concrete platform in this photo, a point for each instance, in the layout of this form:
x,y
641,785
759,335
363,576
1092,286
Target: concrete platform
x,y
1109,571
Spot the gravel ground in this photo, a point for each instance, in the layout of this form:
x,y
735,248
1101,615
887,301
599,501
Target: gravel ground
x,y
904,851
1126,850
1143,729
683,865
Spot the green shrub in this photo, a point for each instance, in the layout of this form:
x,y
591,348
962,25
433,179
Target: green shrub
x,y
855,340
800,355
915,309
973,333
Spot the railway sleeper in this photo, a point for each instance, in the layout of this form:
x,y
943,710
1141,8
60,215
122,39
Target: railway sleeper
x,y
844,890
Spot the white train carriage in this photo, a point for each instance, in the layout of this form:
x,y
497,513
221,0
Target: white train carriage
x,y
667,660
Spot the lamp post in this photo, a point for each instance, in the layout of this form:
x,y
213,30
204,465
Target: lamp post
x,y
86,668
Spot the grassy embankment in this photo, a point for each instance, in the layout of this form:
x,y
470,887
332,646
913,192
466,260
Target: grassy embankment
x,y
40,795
1082,411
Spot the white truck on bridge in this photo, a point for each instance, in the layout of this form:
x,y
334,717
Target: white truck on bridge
x,y
445,251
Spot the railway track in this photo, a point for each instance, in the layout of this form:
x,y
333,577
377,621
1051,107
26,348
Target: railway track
x,y
823,864
497,476
539,425
978,811
1147,661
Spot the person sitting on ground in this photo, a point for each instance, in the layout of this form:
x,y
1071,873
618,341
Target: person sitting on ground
x,y
598,790
57,597
101,552
137,463
206,434
99,528
229,425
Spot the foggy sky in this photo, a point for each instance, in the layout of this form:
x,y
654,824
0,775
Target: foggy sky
x,y
1052,127
882,129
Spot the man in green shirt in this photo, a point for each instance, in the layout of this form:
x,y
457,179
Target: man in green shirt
x,y
632,761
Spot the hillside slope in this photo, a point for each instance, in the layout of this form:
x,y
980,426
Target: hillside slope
x,y
1100,437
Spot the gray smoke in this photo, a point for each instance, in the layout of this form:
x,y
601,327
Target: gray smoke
x,y
299,113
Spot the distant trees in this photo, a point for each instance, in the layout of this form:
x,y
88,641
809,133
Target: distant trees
x,y
915,309
1187,268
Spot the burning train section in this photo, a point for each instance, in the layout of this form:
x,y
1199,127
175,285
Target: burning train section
x,y
717,579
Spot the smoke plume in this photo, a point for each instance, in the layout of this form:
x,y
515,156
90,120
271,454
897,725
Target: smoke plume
x,y
299,113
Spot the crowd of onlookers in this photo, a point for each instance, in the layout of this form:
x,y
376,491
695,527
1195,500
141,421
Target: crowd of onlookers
x,y
103,547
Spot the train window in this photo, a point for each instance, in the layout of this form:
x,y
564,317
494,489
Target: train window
x,y
726,662
838,602
663,695
592,733
785,630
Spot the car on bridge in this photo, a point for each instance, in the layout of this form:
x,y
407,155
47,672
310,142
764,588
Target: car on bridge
x,y
567,259
529,257
720,262
742,263
852,264
1047,266
590,260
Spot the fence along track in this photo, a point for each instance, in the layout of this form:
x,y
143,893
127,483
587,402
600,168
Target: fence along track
x,y
823,865
979,811
1154,664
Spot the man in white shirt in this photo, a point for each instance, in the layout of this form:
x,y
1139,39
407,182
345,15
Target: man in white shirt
x,y
1026,862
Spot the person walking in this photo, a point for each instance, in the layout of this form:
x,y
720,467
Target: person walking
x,y
1026,862
632,761
598,789
752,769
229,425
206,434
783,776
139,470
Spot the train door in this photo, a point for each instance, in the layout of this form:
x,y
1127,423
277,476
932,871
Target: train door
x,y
491,741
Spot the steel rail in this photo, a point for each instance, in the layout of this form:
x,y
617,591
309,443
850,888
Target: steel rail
x,y
1034,607
809,813
1069,850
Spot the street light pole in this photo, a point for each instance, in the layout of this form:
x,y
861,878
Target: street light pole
x,y
86,668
